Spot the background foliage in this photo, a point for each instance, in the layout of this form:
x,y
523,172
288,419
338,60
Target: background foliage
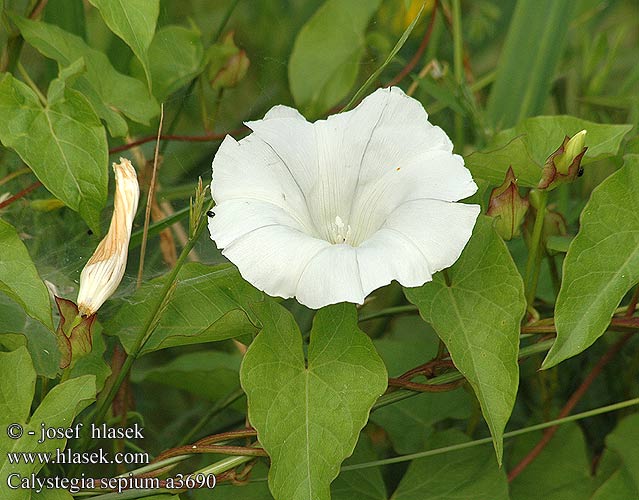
x,y
83,82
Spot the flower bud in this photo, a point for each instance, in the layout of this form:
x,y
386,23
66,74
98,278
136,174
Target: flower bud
x,y
508,207
564,165
228,63
105,269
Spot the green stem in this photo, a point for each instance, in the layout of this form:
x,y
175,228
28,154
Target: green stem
x,y
458,68
225,20
104,401
389,311
534,255
13,175
31,83
217,408
518,432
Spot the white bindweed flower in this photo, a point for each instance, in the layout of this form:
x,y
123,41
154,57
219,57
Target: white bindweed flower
x,y
104,270
332,210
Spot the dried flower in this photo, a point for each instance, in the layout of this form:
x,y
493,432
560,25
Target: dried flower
x,y
105,269
332,210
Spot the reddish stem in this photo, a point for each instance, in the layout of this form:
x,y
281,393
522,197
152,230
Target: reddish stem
x,y
416,386
420,51
19,195
172,137
568,407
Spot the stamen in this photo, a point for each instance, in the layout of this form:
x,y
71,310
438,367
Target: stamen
x,y
340,232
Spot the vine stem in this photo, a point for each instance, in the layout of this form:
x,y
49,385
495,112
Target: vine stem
x,y
507,435
20,194
569,406
533,263
420,50
14,175
173,137
458,68
149,200
105,399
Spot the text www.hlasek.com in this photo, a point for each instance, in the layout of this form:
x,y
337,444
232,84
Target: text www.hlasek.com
x,y
68,456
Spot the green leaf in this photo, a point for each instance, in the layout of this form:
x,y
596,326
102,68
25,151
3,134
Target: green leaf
x,y
308,414
492,163
40,341
68,15
327,52
360,484
478,317
19,278
527,65
176,56
195,371
210,303
409,422
560,472
601,265
64,143
527,146
543,135
621,443
111,93
58,409
134,22
467,473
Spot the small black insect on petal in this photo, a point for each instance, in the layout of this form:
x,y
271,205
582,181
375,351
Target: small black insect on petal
x,y
580,172
89,232
210,213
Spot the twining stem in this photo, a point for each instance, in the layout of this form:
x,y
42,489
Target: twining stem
x,y
173,137
518,432
20,194
232,462
534,255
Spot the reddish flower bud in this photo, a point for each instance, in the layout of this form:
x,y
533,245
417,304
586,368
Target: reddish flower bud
x,y
564,165
508,207
227,63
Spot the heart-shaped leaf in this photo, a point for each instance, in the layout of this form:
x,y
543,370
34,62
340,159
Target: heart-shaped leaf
x,y
308,413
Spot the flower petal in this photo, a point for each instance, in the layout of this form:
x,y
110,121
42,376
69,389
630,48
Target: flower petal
x,y
435,175
272,258
331,276
250,169
389,255
235,218
439,229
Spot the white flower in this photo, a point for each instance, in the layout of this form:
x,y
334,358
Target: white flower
x,y
104,270
332,210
